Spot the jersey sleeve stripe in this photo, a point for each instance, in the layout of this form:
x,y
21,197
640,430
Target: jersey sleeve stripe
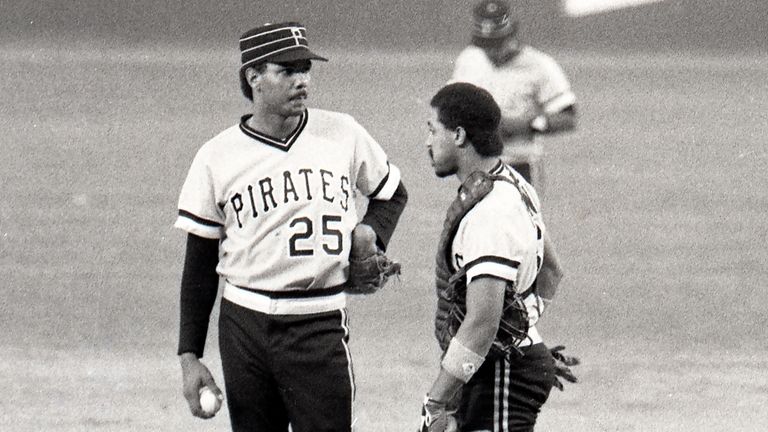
x,y
198,226
383,181
491,259
198,219
485,276
192,227
492,269
388,184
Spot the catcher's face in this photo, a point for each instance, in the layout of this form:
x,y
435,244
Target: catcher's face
x,y
441,146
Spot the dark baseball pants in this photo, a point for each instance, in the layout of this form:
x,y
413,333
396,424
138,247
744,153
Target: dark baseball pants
x,y
281,369
506,395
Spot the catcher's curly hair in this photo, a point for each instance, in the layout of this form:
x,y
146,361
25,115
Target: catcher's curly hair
x,y
475,110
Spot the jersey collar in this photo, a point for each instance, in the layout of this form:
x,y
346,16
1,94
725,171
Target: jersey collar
x,y
497,169
282,144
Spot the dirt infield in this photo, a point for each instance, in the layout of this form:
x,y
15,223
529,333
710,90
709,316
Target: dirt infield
x,y
656,204
77,390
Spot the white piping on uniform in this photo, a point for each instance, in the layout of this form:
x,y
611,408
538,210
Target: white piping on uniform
x,y
272,31
272,42
505,402
345,326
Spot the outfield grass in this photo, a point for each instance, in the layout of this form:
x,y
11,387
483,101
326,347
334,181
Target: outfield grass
x,y
655,203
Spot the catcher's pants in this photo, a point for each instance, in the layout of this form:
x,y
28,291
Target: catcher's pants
x,y
281,369
506,395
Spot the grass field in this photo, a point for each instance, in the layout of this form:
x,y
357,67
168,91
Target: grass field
x,y
656,204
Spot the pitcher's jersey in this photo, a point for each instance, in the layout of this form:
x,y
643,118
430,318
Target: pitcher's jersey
x,y
503,235
531,81
284,210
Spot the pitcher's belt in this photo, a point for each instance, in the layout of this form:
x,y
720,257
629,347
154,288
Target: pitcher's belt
x,y
290,302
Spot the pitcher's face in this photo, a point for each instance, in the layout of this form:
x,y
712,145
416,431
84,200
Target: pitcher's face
x,y
284,87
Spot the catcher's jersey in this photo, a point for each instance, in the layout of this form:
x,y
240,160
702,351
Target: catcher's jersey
x,y
503,235
284,210
531,81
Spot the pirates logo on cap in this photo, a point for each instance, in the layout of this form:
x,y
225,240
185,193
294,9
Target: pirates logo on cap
x,y
276,43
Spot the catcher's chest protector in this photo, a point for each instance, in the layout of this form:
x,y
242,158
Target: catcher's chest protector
x,y
451,285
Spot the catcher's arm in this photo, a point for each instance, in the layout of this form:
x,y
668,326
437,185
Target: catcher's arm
x,y
547,282
551,272
485,299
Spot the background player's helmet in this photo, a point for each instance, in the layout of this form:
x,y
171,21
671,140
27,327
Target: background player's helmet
x,y
491,23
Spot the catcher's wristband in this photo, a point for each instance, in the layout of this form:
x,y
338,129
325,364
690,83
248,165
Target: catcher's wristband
x,y
460,361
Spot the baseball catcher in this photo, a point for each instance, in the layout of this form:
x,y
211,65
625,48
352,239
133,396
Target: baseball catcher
x,y
493,278
369,267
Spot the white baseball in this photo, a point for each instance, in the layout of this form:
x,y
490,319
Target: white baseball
x,y
208,401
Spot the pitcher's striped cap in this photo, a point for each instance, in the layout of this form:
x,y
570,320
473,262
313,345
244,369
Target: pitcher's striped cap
x,y
275,43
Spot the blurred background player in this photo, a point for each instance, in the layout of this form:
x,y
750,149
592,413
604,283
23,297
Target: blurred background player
x,y
531,89
268,207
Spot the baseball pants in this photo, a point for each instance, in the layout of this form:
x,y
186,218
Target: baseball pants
x,y
506,395
286,369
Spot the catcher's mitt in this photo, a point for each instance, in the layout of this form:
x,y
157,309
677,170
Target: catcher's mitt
x,y
368,275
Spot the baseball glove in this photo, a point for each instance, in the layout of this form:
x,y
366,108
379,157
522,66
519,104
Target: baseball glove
x,y
368,275
563,365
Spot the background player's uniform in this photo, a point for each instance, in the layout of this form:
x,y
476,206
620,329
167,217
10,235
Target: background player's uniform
x,y
283,212
530,81
505,393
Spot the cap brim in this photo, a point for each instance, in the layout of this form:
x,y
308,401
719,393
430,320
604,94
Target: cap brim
x,y
294,55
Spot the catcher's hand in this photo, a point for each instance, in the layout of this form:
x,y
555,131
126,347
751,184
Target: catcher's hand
x,y
436,418
563,365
